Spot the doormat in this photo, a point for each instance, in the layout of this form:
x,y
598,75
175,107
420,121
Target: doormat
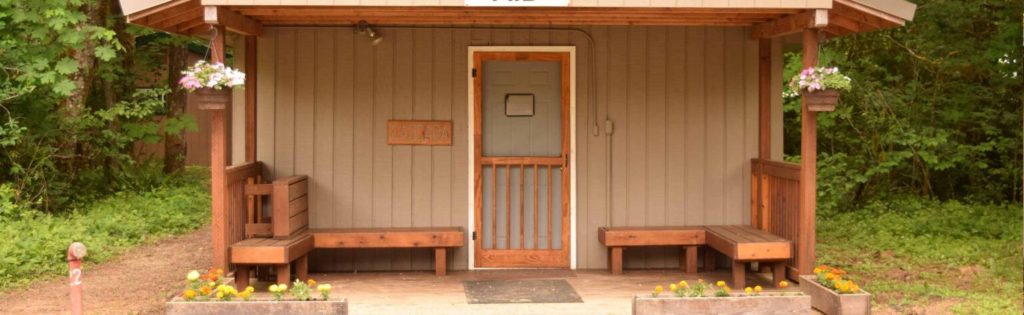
x,y
520,291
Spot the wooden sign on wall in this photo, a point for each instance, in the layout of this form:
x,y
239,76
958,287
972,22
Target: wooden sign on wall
x,y
419,132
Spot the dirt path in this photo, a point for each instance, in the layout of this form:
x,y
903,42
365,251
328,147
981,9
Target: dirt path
x,y
137,282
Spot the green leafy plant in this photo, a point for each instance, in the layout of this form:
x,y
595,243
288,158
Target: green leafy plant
x,y
818,78
301,291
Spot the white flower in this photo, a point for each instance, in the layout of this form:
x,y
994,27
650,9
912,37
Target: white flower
x,y
193,275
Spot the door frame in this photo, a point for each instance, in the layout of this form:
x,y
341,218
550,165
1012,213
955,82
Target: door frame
x,y
471,152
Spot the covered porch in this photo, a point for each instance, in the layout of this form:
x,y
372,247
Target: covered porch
x,y
673,117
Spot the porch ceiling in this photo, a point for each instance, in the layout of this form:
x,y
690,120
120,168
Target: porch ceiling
x,y
190,17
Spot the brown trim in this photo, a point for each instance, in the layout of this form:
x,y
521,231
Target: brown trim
x,y
522,257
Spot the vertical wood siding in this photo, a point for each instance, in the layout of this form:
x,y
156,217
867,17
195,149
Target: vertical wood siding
x,y
683,100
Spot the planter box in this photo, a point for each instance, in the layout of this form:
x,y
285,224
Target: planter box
x,y
832,303
213,99
821,100
262,307
765,304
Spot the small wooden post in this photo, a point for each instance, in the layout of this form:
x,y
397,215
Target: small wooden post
x,y
440,261
808,165
250,98
76,252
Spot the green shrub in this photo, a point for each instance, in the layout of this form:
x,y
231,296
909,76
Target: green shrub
x,y
36,244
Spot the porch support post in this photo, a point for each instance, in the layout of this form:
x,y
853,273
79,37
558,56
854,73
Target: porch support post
x,y
808,165
250,98
218,163
764,130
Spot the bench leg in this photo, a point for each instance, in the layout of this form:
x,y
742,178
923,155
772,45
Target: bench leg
x,y
709,260
284,274
241,276
302,268
440,261
689,259
739,274
778,272
615,260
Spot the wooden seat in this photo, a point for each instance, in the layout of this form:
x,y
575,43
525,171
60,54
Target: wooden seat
x,y
744,244
285,240
437,238
618,238
269,251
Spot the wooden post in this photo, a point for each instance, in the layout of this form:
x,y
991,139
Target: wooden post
x,y
808,165
764,129
218,163
250,98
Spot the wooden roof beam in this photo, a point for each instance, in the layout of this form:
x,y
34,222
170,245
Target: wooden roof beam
x,y
790,24
233,21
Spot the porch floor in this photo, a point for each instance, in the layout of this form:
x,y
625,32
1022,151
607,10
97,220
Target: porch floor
x,y
425,293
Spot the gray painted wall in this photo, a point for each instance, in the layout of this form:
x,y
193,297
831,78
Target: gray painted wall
x,y
683,100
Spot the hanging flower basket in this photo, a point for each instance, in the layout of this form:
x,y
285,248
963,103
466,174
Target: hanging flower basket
x,y
820,87
211,83
821,100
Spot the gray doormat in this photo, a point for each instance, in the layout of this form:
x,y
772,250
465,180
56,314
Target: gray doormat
x,y
520,291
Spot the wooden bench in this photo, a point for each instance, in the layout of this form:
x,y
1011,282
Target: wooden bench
x,y
618,238
742,244
282,242
440,239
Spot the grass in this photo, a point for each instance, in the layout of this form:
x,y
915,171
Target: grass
x,y
913,254
35,246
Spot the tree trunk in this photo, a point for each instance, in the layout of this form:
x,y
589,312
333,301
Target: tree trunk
x,y
86,58
174,143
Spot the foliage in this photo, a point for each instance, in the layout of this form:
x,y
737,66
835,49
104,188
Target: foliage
x,y
936,110
910,251
36,243
69,108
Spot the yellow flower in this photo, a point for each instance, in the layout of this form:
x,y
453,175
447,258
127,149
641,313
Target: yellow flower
x,y
220,295
748,290
283,287
720,284
244,294
193,275
658,290
249,289
673,287
757,289
783,284
683,284
830,276
324,288
311,282
211,284
189,294
273,288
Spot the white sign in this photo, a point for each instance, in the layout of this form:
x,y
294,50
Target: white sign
x,y
517,3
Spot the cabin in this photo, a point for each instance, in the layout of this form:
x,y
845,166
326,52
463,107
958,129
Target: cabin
x,y
402,135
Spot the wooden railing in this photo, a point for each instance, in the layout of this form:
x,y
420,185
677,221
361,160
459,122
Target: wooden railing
x,y
240,208
775,201
526,169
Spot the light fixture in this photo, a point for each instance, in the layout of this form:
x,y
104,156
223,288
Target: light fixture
x,y
364,28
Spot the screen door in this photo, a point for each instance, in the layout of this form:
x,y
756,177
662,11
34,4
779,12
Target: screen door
x,y
521,134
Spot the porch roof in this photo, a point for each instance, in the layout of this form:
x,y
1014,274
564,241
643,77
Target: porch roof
x,y
768,18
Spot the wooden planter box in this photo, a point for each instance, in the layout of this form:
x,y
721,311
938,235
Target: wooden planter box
x,y
831,302
178,306
821,100
764,304
209,98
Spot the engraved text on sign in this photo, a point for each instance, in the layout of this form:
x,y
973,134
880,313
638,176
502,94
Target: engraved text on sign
x,y
419,132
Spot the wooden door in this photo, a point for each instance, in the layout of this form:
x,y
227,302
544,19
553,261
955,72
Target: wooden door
x,y
521,159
